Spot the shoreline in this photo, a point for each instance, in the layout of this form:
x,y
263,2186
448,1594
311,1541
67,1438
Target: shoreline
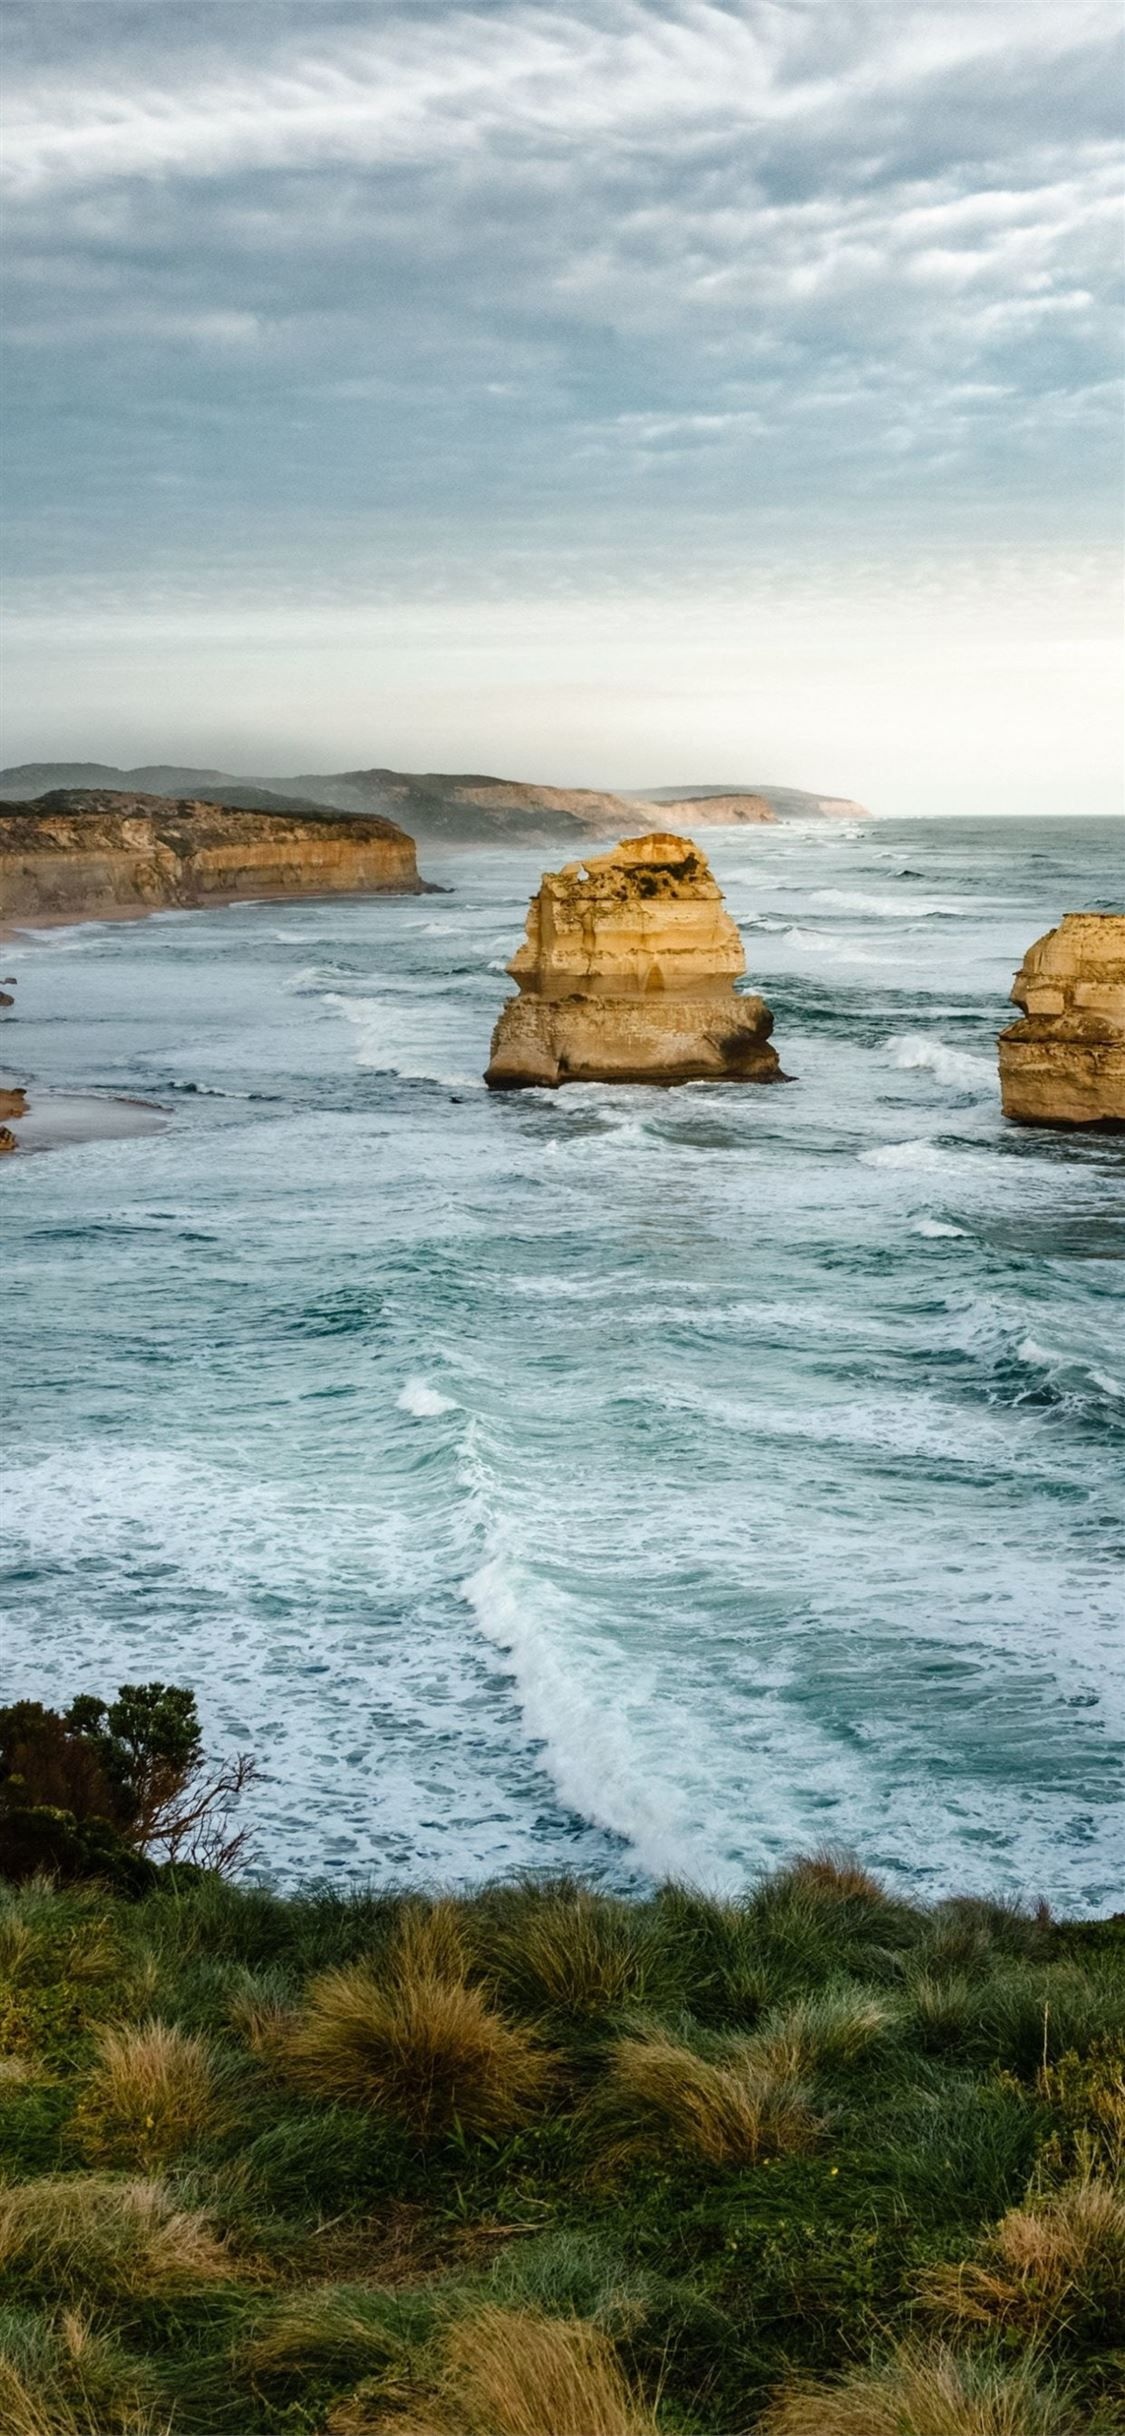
x,y
15,928
66,1120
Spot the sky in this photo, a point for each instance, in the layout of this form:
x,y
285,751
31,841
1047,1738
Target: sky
x,y
620,393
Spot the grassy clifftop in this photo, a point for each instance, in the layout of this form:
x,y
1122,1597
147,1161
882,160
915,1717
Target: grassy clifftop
x,y
541,2162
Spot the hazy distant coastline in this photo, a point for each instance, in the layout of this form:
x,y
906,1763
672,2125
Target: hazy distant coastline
x,y
439,808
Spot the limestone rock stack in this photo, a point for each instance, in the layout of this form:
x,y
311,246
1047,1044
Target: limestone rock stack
x,y
1064,1062
627,975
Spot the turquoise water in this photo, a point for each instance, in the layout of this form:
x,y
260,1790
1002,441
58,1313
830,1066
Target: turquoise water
x,y
647,1481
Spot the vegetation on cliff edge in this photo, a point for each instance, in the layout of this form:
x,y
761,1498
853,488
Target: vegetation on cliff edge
x,y
539,2161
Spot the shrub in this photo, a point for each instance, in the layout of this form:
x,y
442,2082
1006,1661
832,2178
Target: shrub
x,y
1057,2259
79,2235
730,2113
932,2391
429,2050
152,2094
84,1788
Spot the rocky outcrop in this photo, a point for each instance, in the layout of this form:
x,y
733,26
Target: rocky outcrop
x,y
13,1102
1064,1062
75,855
627,975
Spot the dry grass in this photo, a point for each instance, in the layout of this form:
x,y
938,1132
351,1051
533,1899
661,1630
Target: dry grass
x,y
349,2328
151,2094
1048,2261
833,1875
429,2049
572,1952
69,2380
931,2392
731,2113
823,2033
515,2372
80,2235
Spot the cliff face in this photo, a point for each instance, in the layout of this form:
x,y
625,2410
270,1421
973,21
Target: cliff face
x,y
627,974
76,855
442,808
1064,1063
727,811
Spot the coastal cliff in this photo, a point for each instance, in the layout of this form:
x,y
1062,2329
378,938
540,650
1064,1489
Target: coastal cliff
x,y
79,854
1064,1062
449,809
627,974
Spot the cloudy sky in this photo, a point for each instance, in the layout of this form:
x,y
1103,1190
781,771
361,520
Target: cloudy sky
x,y
612,391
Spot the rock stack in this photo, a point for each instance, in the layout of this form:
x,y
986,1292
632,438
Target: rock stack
x,y
627,975
1064,1062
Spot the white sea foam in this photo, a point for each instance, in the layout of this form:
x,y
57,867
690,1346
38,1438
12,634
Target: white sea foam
x,y
401,1036
935,1227
891,909
424,1402
916,1153
912,1052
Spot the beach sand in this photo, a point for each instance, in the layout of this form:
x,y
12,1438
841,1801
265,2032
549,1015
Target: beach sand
x,y
58,1120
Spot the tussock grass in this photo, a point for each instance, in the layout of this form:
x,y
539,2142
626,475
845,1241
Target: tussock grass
x,y
429,2050
730,2113
91,2235
933,2391
832,1874
62,2376
595,2127
348,2330
569,1951
827,2032
512,2372
152,2093
1057,2258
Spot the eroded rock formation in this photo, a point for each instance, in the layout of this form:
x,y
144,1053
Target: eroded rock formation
x,y
627,975
1063,1063
78,854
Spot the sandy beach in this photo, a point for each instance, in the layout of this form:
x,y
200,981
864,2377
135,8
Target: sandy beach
x,y
59,1120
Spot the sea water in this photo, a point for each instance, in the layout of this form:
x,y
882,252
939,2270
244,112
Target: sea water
x,y
635,1480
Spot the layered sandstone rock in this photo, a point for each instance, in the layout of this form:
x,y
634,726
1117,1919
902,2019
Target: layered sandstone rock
x,y
627,975
1064,1062
78,854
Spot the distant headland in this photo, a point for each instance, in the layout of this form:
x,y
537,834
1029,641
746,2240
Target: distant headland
x,y
440,809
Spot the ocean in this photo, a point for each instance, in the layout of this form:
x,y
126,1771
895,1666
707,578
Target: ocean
x,y
636,1481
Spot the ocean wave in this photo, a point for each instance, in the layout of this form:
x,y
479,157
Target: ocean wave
x,y
382,1049
912,1052
935,1227
891,909
423,1402
916,1153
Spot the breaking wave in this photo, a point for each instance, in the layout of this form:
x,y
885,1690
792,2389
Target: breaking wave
x,y
913,1052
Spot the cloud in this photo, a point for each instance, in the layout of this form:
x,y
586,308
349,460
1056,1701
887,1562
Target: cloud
x,y
545,292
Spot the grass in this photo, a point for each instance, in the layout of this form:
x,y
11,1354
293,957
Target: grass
x,y
1060,2259
934,2392
92,2235
152,2094
731,2113
541,2158
508,2372
59,2376
414,2039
